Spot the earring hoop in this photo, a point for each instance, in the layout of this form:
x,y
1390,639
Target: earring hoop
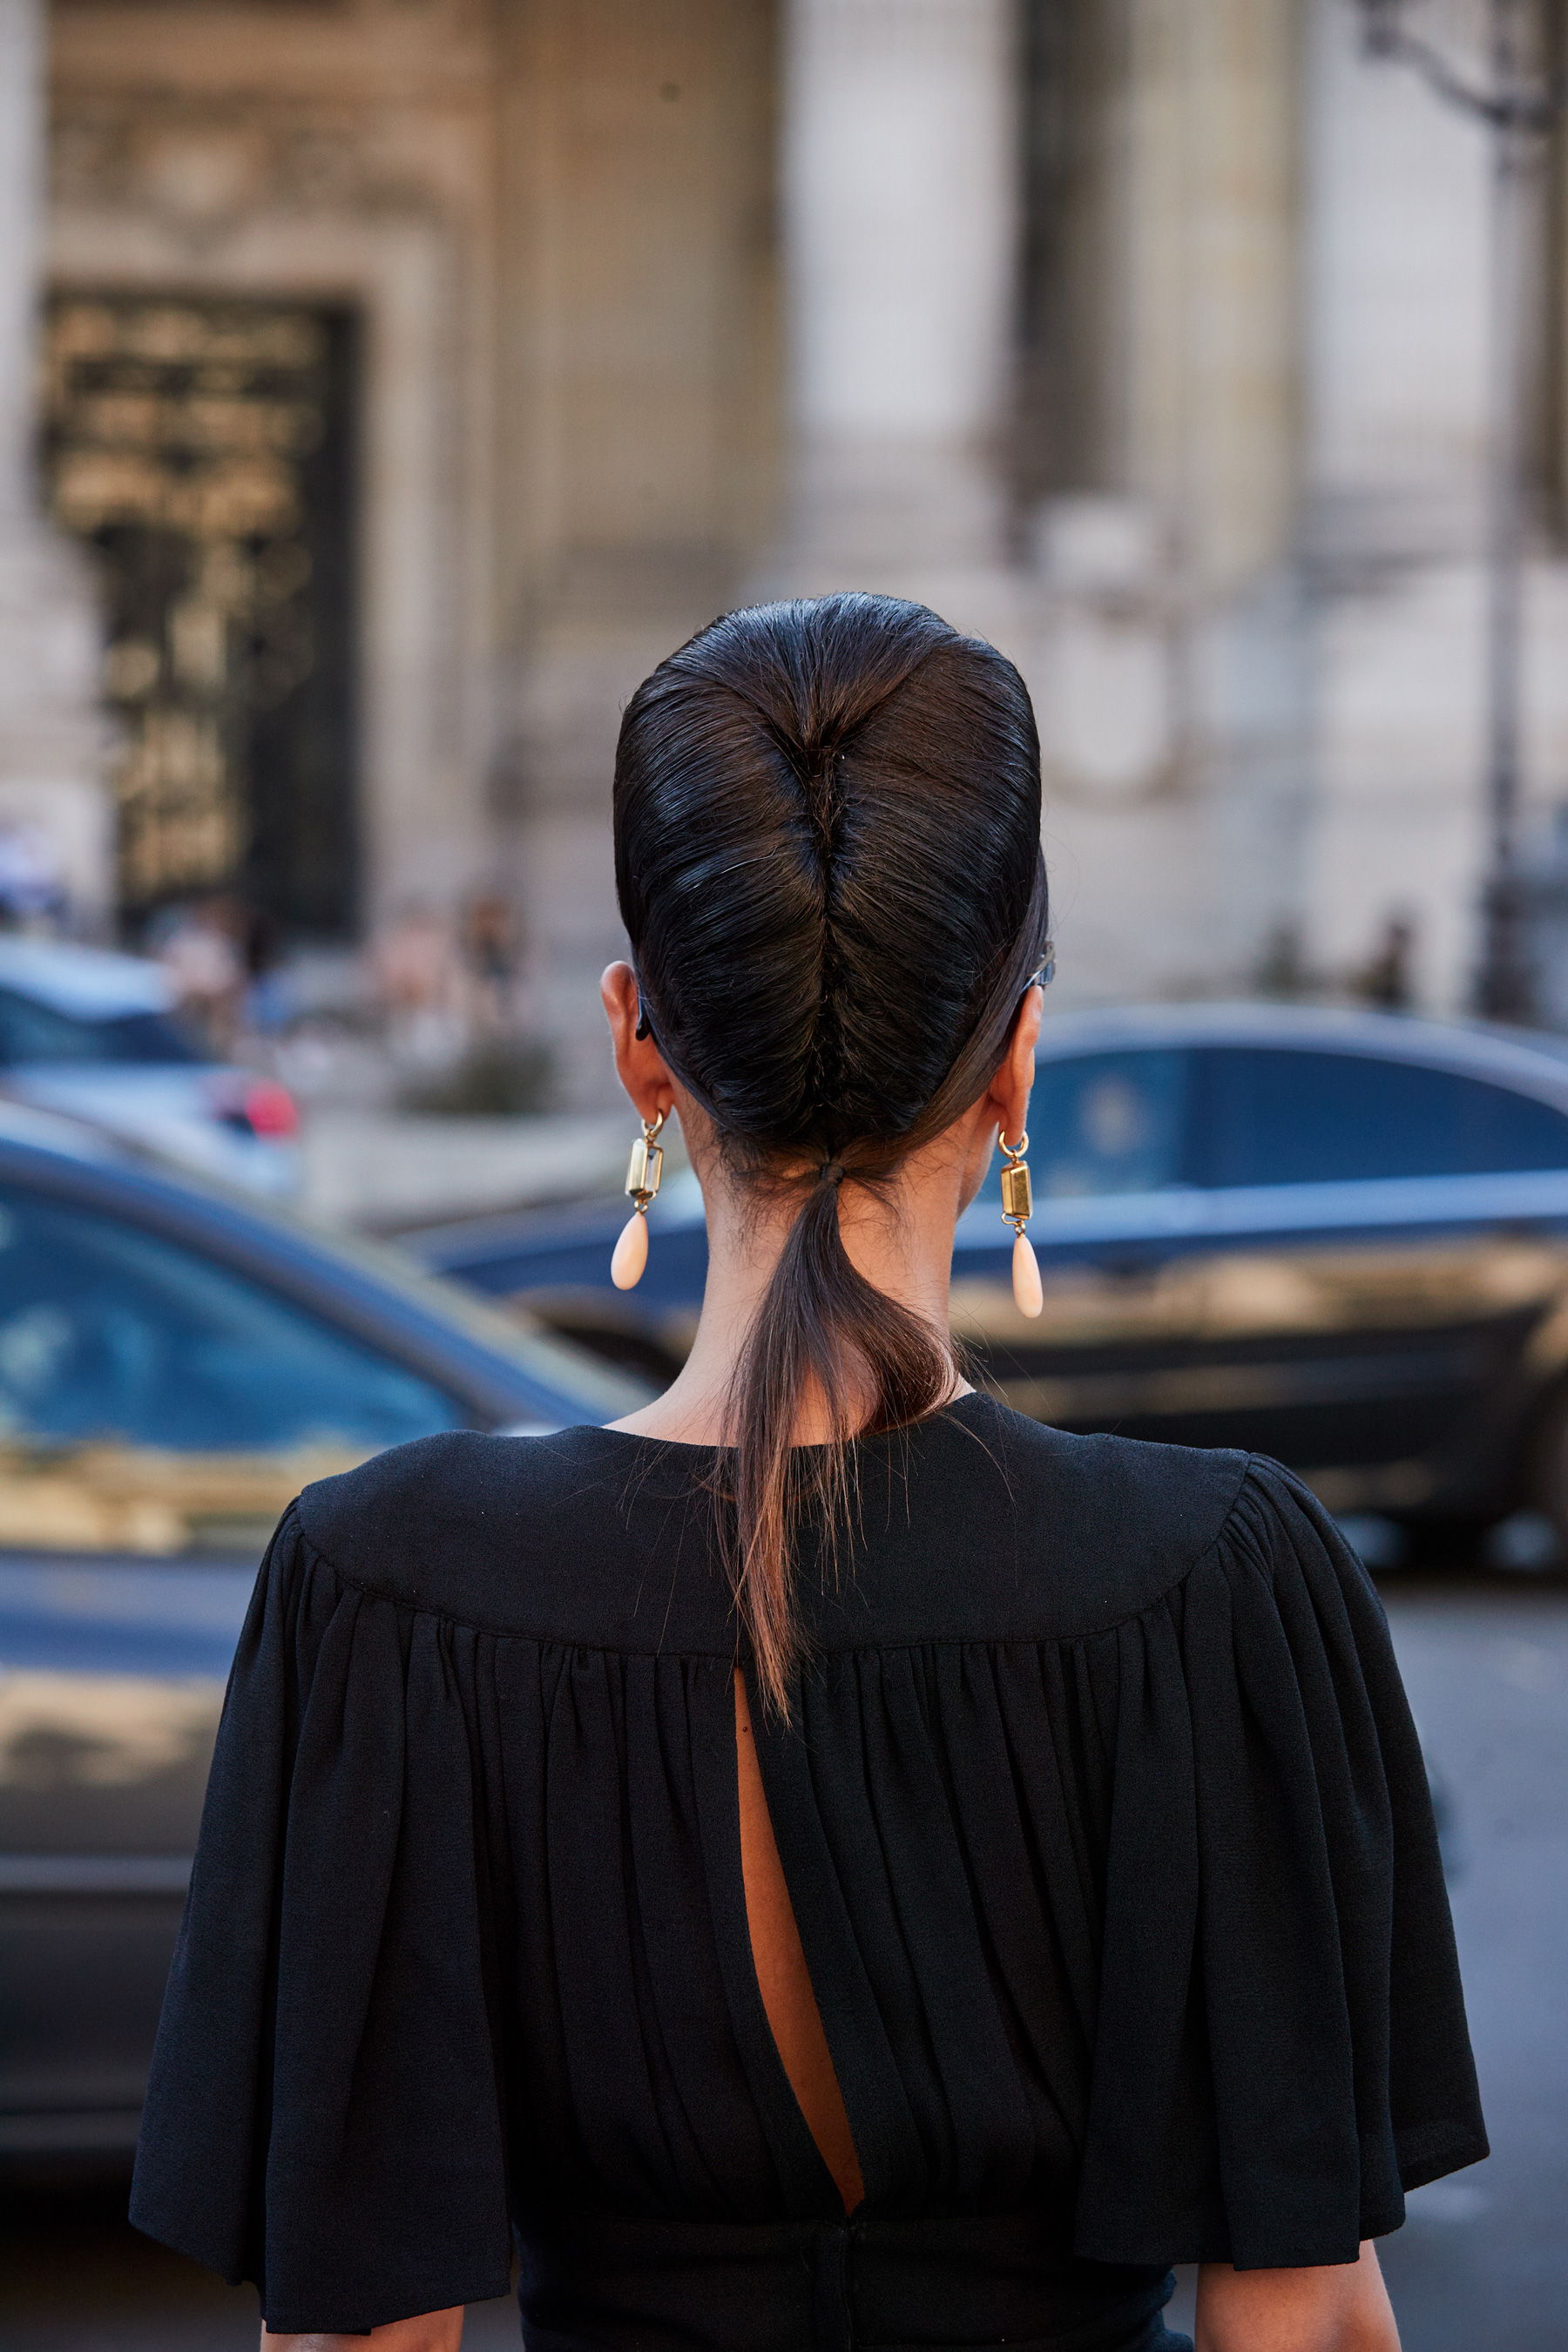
x,y
642,1171
1018,1208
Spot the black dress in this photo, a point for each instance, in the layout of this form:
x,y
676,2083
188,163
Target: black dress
x,y
1106,1828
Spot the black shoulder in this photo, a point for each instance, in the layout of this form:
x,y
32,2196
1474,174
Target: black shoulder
x,y
1018,1530
435,1521
1134,1515
1033,1532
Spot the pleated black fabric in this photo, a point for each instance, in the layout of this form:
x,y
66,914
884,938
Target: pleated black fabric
x,y
1107,1831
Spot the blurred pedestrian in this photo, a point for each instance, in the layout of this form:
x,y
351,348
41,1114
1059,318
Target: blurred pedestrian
x,y
1386,978
199,948
491,957
416,974
32,881
269,999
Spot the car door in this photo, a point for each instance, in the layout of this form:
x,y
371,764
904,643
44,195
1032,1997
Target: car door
x,y
1379,1240
157,1410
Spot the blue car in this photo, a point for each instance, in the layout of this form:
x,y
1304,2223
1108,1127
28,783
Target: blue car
x,y
1340,1238
175,1364
98,1038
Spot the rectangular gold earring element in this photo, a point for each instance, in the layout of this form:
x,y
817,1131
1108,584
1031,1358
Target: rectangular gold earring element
x,y
645,1169
1015,1197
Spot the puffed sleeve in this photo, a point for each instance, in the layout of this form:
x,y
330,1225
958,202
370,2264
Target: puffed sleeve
x,y
324,2114
1280,2048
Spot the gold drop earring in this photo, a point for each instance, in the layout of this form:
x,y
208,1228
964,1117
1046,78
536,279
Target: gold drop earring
x,y
1017,1207
645,1166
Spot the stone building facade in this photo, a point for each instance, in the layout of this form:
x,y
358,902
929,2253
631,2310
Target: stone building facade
x,y
1148,339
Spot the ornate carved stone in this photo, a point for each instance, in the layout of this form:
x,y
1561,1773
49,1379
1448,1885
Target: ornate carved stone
x,y
203,170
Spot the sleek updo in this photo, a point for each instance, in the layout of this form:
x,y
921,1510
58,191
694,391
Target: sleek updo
x,y
827,857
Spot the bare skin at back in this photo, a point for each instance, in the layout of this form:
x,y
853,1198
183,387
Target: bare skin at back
x,y
782,1975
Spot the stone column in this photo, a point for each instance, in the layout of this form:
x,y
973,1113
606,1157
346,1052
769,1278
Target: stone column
x,y
53,736
1395,453
900,171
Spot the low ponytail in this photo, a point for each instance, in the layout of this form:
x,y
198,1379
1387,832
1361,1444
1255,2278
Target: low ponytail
x,y
824,1333
827,857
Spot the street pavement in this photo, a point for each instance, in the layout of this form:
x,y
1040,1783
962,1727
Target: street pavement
x,y
1479,2263
1477,2267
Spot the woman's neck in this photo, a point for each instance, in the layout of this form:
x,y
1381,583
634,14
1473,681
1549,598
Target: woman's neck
x,y
900,1241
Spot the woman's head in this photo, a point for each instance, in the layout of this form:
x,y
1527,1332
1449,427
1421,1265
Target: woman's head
x,y
827,857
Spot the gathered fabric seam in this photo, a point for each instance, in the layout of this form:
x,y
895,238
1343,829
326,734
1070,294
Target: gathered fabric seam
x,y
838,1649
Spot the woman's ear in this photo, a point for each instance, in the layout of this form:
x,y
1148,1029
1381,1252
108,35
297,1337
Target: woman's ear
x,y
638,1063
1008,1102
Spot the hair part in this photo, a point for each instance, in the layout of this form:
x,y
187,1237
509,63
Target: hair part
x,y
827,858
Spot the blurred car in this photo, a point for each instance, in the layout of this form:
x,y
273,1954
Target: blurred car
x,y
1338,1238
175,1365
97,1036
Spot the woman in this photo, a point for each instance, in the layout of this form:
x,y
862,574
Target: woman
x,y
826,1860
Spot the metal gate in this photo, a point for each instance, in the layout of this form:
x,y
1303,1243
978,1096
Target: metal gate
x,y
204,450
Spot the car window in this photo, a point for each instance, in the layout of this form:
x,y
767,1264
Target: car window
x,y
155,1399
1103,1123
1278,1116
31,1032
146,1038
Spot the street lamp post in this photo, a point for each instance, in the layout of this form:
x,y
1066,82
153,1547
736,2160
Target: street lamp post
x,y
1520,104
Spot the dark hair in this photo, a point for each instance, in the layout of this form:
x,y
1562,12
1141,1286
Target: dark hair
x,y
827,857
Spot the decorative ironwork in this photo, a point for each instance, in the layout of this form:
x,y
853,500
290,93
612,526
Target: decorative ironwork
x,y
204,450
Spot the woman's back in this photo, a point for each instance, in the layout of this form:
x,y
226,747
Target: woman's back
x,y
1101,1818
1059,1887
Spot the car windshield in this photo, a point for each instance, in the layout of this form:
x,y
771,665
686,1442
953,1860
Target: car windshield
x,y
152,1398
32,1031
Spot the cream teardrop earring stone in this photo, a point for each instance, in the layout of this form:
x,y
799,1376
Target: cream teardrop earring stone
x,y
1026,1288
631,1253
